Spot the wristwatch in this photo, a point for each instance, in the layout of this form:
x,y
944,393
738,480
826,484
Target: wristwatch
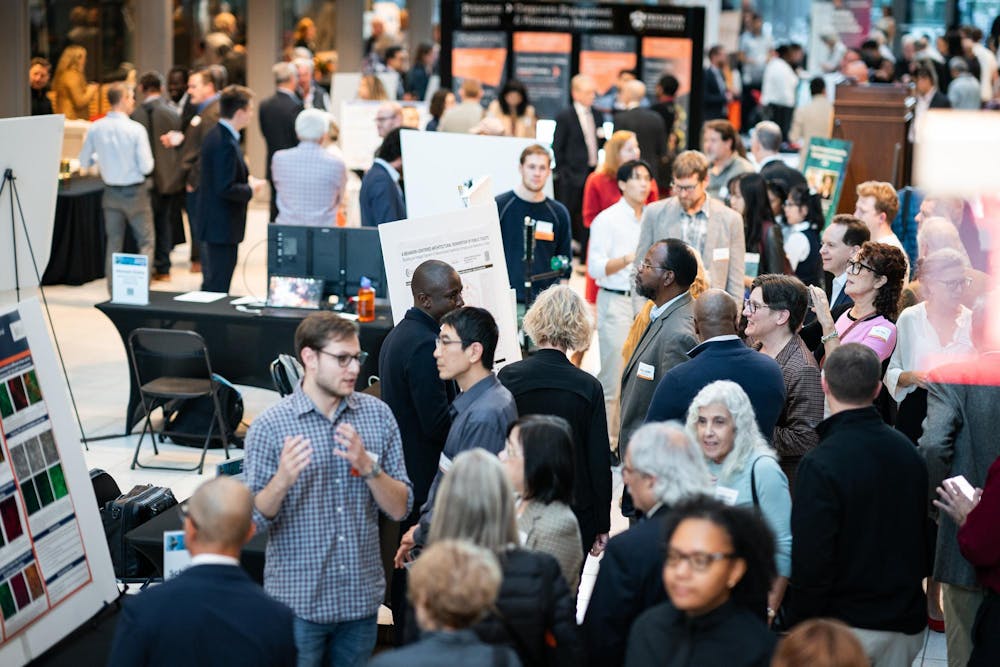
x,y
827,338
374,472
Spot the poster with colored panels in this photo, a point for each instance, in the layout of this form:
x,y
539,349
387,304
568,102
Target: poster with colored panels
x,y
670,55
824,169
479,55
602,57
47,506
542,64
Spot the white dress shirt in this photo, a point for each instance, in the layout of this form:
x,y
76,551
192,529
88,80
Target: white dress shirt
x,y
613,233
589,132
120,146
656,311
919,349
780,83
213,559
796,243
837,286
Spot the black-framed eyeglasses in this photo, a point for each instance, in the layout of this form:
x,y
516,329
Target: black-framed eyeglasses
x,y
955,285
684,188
443,341
854,267
344,360
752,306
698,560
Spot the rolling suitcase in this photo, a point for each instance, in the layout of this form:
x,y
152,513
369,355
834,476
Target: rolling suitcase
x,y
129,511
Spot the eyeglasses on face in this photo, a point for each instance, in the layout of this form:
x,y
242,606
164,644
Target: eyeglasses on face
x,y
646,266
344,360
698,560
854,267
444,341
684,188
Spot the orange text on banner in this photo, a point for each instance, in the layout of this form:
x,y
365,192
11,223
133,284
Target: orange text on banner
x,y
483,64
543,42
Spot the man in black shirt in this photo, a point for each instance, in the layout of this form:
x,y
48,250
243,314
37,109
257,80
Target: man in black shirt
x,y
38,77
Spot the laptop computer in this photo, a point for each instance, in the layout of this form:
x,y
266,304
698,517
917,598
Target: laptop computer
x,y
290,296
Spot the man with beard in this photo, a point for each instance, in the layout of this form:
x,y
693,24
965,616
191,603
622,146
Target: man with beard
x,y
552,236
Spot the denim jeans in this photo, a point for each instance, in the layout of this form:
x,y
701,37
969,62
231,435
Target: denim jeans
x,y
345,644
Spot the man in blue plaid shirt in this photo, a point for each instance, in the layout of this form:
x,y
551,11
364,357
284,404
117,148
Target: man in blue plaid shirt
x,y
321,464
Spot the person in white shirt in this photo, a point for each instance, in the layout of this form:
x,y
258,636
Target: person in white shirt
x,y
829,62
614,235
972,44
780,84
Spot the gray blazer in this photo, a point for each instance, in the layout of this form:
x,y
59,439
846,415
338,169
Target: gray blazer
x,y
664,344
159,117
553,529
723,254
959,439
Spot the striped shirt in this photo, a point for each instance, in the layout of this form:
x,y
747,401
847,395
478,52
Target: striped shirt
x,y
323,547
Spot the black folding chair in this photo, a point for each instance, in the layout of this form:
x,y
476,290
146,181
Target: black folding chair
x,y
172,364
285,373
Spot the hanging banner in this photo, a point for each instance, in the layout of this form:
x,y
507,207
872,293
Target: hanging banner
x,y
602,57
479,55
670,55
542,64
826,163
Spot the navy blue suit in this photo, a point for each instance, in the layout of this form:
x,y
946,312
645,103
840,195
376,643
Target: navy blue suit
x,y
757,373
628,583
223,195
380,198
208,615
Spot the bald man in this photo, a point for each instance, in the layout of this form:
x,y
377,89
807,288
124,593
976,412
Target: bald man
x,y
212,613
649,128
721,355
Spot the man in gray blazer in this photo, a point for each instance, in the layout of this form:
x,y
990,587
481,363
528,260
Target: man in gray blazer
x,y
665,275
960,439
158,117
710,227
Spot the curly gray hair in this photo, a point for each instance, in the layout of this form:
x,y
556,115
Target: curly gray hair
x,y
665,451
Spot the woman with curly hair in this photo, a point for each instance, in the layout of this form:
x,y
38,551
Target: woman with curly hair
x,y
547,383
875,280
512,108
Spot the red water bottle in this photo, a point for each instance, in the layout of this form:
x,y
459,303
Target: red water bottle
x,y
366,301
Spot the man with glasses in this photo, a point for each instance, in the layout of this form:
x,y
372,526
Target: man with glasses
x,y
710,227
481,414
388,117
321,464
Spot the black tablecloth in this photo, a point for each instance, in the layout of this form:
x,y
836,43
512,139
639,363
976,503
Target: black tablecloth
x,y
148,541
77,255
241,346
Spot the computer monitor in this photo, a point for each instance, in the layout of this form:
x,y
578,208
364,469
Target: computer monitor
x,y
337,255
288,251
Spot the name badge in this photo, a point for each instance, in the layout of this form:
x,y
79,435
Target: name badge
x,y
726,495
444,463
544,231
720,254
646,371
196,121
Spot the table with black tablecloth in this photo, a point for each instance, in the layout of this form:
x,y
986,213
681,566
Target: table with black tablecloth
x,y
241,345
78,243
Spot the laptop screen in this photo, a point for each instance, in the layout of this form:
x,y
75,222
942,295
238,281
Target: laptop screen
x,y
291,292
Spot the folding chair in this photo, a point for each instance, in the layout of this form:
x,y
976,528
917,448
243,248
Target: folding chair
x,y
285,373
171,364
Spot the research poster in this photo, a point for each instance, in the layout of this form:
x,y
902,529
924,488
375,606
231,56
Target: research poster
x,y
826,163
479,55
55,569
542,64
467,239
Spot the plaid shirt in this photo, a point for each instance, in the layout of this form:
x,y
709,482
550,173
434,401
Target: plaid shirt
x,y
309,183
323,548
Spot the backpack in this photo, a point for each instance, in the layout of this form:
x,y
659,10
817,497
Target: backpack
x,y
187,421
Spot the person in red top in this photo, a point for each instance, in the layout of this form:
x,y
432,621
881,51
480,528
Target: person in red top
x,y
601,189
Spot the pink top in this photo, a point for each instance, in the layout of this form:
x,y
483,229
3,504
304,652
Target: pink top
x,y
877,333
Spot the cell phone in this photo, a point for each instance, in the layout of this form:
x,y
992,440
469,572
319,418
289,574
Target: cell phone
x,y
963,485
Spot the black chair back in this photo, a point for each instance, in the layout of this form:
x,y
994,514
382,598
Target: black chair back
x,y
168,353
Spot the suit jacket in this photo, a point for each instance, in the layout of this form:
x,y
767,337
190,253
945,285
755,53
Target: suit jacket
x,y
758,374
940,101
715,103
778,170
159,116
207,615
194,135
651,133
417,396
277,123
628,583
380,199
570,147
223,193
664,344
553,529
811,120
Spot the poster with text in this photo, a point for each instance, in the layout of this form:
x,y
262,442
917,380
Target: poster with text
x,y
826,163
467,239
479,55
55,569
670,55
542,64
602,57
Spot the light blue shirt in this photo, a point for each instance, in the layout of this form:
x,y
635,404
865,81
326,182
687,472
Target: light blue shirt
x,y
656,311
774,500
120,146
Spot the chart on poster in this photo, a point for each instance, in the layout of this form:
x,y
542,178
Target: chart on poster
x,y
47,506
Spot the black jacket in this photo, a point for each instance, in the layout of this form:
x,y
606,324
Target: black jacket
x,y
651,133
729,636
548,383
277,123
859,520
223,193
777,170
714,103
570,147
628,583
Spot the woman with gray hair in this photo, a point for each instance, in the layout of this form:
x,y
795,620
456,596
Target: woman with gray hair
x,y
663,466
547,383
744,467
534,612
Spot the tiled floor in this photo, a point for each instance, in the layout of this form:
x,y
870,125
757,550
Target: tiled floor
x,y
98,377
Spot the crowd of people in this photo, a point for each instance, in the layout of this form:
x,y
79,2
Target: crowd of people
x,y
789,400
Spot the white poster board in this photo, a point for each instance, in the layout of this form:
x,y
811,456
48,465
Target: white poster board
x,y
55,569
436,163
31,148
344,88
467,239
358,135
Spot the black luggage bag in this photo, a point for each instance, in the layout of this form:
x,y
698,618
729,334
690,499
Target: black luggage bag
x,y
129,511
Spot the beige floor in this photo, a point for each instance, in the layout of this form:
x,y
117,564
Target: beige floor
x,y
98,377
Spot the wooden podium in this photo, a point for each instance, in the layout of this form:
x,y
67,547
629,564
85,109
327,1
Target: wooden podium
x,y
876,119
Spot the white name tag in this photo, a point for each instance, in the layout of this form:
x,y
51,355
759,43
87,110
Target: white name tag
x,y
720,254
196,121
544,231
444,463
726,495
646,371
